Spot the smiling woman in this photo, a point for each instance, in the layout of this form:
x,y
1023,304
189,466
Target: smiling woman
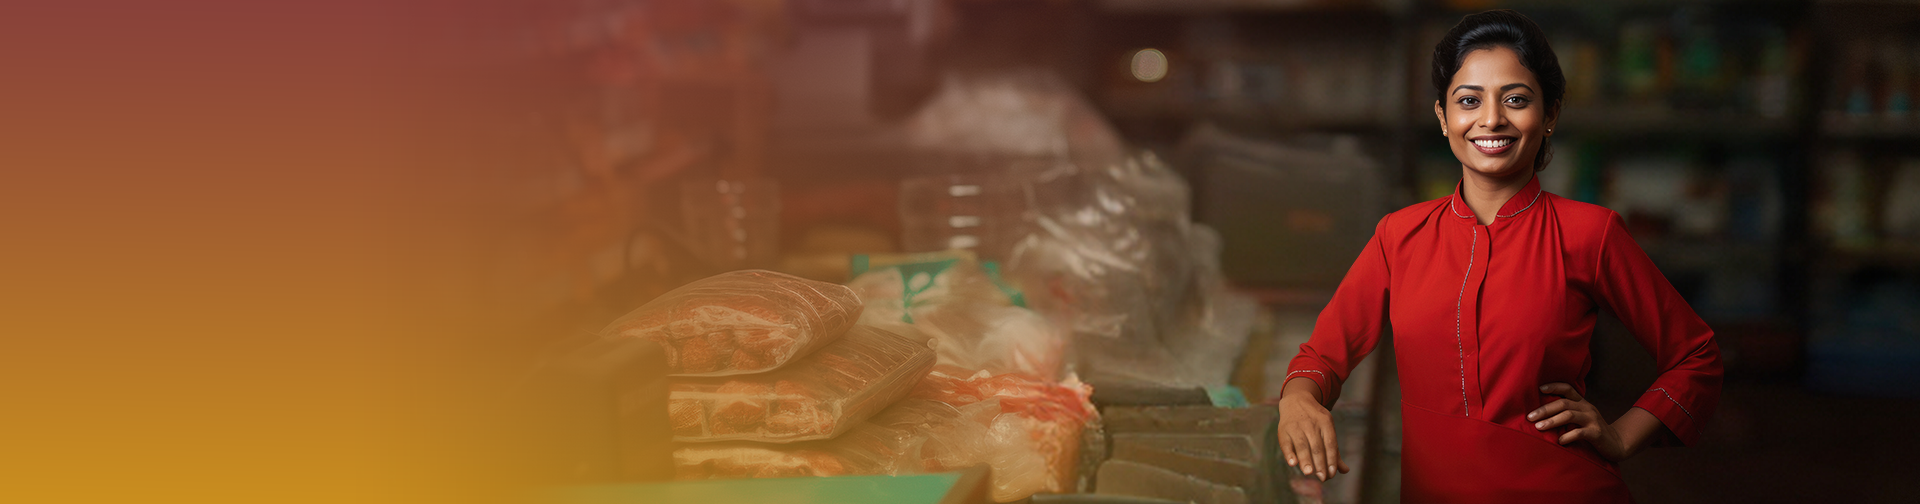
x,y
1492,294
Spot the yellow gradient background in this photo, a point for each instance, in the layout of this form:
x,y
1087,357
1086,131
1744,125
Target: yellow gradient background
x,y
236,240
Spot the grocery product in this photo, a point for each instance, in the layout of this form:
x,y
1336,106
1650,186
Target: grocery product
x,y
962,304
1035,437
816,397
912,436
747,321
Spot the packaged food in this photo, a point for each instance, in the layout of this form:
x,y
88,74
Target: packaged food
x,y
962,303
912,436
1026,428
816,397
1035,436
741,322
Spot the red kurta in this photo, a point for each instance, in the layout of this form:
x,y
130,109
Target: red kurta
x,y
1482,316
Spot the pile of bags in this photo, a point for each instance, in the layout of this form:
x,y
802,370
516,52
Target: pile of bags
x,y
778,376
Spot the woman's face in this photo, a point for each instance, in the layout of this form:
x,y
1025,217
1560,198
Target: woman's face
x,y
1494,116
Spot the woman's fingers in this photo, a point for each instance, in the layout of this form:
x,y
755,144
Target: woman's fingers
x,y
1286,446
1318,457
1333,450
1577,434
1562,390
1302,451
1551,409
1563,418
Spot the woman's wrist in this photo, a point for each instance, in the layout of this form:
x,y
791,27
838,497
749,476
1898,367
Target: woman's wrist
x,y
1300,388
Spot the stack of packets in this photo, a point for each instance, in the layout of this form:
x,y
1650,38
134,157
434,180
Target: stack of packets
x,y
870,400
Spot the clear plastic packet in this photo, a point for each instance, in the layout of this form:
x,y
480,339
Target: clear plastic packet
x,y
1033,441
816,397
911,436
976,318
741,322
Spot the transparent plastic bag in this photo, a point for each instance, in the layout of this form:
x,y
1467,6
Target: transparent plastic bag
x,y
816,397
1033,441
911,436
740,322
1115,257
960,304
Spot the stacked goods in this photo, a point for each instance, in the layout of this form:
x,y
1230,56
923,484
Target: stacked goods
x,y
741,322
912,436
1197,454
1025,428
1034,435
816,397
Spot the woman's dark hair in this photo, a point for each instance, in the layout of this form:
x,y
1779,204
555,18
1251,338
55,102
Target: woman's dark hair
x,y
1514,31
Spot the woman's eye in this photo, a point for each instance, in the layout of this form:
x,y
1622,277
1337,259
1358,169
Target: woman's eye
x,y
1469,101
1516,100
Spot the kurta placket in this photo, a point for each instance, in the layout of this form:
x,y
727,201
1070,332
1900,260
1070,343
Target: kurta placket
x,y
1479,248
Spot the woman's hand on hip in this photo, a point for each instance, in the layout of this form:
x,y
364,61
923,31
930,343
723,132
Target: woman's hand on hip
x,y
1585,420
1306,431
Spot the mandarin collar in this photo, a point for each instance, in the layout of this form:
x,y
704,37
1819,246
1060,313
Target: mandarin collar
x,y
1520,202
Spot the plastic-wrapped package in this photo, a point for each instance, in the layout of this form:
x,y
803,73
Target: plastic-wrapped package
x,y
740,322
1021,113
959,303
1115,257
816,397
1034,439
912,436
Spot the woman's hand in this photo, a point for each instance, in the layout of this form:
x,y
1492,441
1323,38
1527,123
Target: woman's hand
x,y
1306,431
1575,411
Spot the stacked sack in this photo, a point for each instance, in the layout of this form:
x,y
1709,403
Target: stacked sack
x,y
764,358
1013,416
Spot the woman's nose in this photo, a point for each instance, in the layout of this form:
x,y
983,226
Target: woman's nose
x,y
1492,117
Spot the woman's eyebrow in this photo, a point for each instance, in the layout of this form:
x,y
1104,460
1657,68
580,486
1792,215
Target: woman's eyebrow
x,y
1469,87
1517,85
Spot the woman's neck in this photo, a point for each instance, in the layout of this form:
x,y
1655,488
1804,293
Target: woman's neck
x,y
1485,194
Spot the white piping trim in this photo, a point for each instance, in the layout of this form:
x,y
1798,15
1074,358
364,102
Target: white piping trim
x,y
1536,199
1683,409
1459,347
1456,211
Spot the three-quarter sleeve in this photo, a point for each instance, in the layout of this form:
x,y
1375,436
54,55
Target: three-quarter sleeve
x,y
1350,325
1688,388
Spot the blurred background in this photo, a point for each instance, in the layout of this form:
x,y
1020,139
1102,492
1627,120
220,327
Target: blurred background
x,y
433,193
1763,152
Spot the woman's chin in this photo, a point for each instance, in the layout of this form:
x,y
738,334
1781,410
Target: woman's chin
x,y
1497,170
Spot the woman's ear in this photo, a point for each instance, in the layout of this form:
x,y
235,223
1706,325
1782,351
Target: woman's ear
x,y
1553,117
1440,112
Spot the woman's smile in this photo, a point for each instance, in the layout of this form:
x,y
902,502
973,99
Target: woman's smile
x,y
1493,145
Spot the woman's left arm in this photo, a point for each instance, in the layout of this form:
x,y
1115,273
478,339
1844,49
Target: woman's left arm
x,y
1687,390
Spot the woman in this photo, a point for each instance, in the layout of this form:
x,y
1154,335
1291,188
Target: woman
x,y
1491,294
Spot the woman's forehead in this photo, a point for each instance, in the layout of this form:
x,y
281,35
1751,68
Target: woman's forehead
x,y
1492,68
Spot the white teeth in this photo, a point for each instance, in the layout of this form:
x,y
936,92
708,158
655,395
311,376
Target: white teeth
x,y
1493,144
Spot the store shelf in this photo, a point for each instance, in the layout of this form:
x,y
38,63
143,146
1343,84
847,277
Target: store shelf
x,y
1381,7
1844,126
1616,120
1899,256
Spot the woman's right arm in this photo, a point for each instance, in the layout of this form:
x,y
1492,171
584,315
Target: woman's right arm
x,y
1346,331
